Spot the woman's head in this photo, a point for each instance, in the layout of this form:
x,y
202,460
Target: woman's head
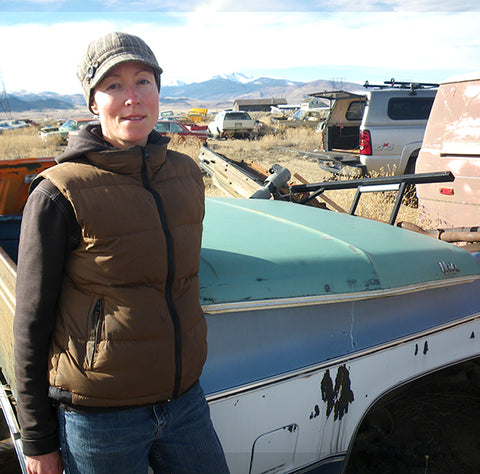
x,y
121,82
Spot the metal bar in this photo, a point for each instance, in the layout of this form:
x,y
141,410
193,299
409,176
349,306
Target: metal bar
x,y
398,201
312,196
421,178
356,199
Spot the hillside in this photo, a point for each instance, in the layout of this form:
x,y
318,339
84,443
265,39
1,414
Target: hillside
x,y
216,93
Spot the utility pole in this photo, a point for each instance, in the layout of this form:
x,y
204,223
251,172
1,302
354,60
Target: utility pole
x,y
336,82
4,106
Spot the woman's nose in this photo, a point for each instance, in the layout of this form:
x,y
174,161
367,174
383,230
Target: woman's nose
x,y
131,96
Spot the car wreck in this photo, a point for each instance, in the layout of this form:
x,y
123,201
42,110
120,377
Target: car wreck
x,y
314,318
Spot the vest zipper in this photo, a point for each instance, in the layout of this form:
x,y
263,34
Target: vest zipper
x,y
96,325
170,273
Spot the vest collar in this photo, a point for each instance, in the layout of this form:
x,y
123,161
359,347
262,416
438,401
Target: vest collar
x,y
129,161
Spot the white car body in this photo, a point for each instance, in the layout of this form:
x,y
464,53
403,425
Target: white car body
x,y
231,123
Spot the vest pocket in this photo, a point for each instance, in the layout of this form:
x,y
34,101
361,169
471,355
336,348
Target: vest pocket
x,y
95,331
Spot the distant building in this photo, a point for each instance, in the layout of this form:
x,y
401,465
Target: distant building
x,y
257,105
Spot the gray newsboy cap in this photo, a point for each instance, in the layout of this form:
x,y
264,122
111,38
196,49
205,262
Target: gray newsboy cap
x,y
105,53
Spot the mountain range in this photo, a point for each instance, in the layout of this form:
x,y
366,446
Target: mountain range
x,y
220,90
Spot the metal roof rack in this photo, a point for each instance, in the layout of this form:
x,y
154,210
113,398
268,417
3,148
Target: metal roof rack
x,y
412,86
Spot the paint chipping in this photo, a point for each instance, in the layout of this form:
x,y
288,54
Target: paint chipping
x,y
425,348
338,397
315,412
352,323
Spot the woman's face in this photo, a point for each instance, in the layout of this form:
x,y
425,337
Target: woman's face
x,y
126,101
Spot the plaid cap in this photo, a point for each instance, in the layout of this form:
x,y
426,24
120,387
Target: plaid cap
x,y
105,53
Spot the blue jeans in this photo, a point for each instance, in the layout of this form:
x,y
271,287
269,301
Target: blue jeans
x,y
175,437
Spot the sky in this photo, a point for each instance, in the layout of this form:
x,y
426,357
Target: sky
x,y
42,41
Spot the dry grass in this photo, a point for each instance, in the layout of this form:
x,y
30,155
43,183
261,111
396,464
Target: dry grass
x,y
281,148
25,143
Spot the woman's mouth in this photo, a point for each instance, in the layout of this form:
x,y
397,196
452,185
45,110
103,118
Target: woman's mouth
x,y
133,118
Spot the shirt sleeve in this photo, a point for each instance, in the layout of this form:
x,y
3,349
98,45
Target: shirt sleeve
x,y
48,233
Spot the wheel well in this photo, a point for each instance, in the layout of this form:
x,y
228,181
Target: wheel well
x,y
410,168
428,424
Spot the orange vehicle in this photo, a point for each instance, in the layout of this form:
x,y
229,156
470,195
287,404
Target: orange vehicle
x,y
452,143
15,178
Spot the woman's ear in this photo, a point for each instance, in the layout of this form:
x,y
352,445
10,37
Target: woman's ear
x,y
93,106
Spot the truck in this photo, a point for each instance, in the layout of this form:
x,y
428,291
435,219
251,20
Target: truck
x,y
452,143
377,131
320,325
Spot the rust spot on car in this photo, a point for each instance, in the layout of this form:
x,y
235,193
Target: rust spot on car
x,y
337,397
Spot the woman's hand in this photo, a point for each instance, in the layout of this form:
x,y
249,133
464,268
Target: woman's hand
x,y
50,463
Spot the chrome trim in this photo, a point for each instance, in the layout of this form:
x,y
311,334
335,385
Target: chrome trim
x,y
277,303
306,371
12,424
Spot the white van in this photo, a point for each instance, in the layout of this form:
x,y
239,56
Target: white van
x,y
452,143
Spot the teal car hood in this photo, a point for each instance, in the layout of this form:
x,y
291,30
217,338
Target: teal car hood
x,y
262,249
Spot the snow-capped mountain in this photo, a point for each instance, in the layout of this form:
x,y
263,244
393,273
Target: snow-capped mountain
x,y
221,88
172,83
236,76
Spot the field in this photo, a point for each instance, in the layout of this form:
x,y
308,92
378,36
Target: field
x,y
282,148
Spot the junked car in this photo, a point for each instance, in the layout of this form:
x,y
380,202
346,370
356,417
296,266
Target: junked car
x,y
174,128
230,123
315,321
68,127
302,118
452,143
13,124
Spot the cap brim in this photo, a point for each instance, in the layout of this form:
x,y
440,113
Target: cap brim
x,y
113,61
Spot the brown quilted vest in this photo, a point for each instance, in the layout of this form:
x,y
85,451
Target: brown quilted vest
x,y
130,329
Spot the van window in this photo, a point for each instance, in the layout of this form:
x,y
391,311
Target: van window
x,y
355,110
410,108
237,116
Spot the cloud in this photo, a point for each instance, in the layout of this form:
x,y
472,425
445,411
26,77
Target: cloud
x,y
44,57
196,45
433,6
173,6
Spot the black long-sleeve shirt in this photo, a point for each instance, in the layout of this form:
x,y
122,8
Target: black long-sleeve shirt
x,y
49,233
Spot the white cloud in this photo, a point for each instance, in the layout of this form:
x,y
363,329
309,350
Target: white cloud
x,y
44,57
194,46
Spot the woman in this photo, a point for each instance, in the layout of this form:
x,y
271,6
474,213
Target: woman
x,y
110,338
